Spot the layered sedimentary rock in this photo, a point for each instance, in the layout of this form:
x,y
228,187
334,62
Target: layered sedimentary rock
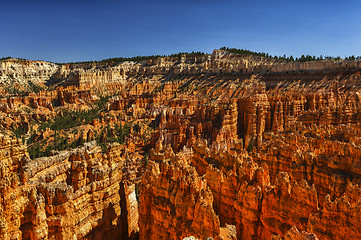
x,y
78,194
175,203
87,75
219,62
17,74
225,146
271,162
242,195
226,62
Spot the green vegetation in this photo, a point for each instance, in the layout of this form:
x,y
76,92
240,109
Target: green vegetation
x,y
19,132
303,58
70,119
141,58
35,88
14,91
8,57
245,52
66,123
251,144
137,191
19,92
40,149
352,58
146,158
109,135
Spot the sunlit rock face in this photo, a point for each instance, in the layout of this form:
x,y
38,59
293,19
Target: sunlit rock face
x,y
23,75
77,194
221,146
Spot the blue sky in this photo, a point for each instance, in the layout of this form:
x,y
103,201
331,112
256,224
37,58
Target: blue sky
x,y
79,30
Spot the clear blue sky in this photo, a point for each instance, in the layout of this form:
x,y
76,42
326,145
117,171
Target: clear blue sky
x,y
78,30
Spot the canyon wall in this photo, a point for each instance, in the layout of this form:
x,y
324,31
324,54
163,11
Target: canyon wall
x,y
17,74
85,75
77,194
225,146
272,162
220,62
261,198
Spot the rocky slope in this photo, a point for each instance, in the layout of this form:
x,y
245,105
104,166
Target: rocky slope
x,y
225,146
22,75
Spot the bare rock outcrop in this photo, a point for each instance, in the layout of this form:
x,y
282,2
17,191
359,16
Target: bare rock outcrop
x,y
75,194
221,146
175,203
14,72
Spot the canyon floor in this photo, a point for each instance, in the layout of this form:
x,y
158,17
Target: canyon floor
x,y
220,146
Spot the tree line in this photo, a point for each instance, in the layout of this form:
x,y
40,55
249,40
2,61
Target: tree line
x,y
141,58
303,58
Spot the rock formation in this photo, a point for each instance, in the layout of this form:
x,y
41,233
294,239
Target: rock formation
x,y
221,146
76,194
18,74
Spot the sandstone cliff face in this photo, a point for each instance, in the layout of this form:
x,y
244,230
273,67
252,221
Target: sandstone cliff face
x,y
18,73
226,62
92,75
242,195
240,147
81,194
175,203
270,161
219,62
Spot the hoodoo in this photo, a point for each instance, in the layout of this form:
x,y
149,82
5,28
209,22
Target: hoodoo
x,y
190,146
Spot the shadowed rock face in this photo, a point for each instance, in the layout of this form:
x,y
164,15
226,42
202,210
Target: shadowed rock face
x,y
223,146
